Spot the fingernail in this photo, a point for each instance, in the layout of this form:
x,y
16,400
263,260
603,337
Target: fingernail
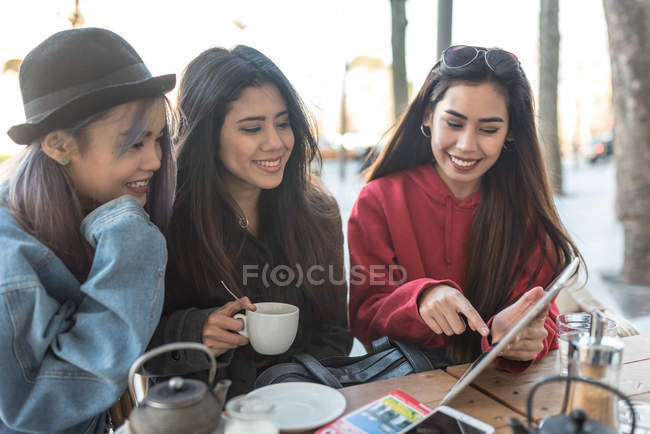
x,y
485,331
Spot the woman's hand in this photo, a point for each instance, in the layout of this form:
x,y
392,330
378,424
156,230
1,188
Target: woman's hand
x,y
530,341
440,307
219,330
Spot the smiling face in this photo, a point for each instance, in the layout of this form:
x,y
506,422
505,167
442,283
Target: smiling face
x,y
468,129
97,170
256,141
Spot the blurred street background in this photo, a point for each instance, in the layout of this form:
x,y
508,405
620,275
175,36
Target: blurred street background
x,y
357,63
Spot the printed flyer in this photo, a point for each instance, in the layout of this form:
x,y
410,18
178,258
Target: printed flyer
x,y
391,414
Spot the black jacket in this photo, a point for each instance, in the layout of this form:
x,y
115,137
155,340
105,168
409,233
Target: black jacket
x,y
320,337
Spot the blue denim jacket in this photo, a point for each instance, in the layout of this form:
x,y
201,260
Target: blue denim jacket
x,y
65,347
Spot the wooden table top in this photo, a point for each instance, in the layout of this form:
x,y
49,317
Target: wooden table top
x,y
496,395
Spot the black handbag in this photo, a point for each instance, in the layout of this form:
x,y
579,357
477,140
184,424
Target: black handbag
x,y
389,359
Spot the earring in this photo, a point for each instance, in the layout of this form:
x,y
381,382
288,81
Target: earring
x,y
506,143
64,161
424,132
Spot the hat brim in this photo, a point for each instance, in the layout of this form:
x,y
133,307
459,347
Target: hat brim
x,y
90,103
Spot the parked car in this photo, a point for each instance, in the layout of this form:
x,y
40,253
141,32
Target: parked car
x,y
600,148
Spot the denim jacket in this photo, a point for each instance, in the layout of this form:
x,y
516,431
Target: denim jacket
x,y
65,347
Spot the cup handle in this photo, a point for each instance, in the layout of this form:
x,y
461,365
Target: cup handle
x,y
242,317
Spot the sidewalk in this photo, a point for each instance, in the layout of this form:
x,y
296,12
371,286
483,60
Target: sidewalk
x,y
588,213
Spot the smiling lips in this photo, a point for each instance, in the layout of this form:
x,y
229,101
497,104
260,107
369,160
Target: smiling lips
x,y
463,164
271,166
141,186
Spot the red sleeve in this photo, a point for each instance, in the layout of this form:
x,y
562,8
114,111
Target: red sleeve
x,y
550,343
381,302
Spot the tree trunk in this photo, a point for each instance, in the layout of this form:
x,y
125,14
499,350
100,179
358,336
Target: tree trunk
x,y
628,22
549,49
445,8
400,88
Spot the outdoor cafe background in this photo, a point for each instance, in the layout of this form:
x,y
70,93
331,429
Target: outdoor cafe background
x,y
313,40
338,55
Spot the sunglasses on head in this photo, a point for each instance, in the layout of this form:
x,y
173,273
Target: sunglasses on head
x,y
459,56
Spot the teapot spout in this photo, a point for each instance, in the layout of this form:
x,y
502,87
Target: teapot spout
x,y
220,392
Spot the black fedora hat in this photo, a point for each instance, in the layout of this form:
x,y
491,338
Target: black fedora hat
x,y
76,73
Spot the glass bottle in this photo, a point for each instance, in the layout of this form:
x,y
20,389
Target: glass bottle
x,y
598,357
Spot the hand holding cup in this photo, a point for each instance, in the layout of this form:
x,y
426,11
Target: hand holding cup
x,y
219,330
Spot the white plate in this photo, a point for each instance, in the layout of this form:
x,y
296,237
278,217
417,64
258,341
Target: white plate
x,y
302,406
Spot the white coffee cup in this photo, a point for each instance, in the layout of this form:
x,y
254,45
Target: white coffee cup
x,y
272,328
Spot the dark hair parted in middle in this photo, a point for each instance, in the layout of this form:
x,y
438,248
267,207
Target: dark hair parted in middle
x,y
299,212
516,211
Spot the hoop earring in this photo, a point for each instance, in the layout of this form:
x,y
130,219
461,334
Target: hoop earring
x,y
506,143
424,132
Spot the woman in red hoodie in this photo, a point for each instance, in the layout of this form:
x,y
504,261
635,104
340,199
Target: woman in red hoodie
x,y
456,231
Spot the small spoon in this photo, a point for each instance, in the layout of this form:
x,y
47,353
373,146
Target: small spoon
x,y
248,306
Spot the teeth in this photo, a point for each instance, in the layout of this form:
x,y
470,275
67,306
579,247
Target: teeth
x,y
267,163
138,183
462,162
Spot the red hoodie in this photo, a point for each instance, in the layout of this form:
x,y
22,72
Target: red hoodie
x,y
411,222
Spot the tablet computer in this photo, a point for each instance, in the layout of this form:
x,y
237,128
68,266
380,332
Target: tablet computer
x,y
488,357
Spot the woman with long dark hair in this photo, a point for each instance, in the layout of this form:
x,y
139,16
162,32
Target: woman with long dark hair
x,y
459,204
81,215
248,212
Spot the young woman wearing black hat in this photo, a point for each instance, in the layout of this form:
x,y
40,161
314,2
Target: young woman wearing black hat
x,y
81,215
258,217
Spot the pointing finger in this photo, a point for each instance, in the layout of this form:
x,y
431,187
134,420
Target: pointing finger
x,y
474,319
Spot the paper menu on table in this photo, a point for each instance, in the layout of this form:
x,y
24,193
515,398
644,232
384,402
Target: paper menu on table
x,y
394,413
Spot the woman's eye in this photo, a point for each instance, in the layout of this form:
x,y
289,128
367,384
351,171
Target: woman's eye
x,y
284,125
251,130
453,124
138,145
489,130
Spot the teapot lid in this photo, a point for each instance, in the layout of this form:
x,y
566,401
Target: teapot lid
x,y
176,393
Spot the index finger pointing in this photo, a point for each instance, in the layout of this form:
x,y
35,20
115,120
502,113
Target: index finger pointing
x,y
474,320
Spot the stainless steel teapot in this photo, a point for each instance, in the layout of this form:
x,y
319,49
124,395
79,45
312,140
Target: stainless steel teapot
x,y
576,422
180,405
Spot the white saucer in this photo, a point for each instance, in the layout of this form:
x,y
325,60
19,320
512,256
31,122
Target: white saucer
x,y
302,406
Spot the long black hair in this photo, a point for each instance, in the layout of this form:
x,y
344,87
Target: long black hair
x,y
516,213
204,236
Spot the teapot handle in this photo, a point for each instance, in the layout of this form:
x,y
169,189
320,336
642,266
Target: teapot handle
x,y
167,348
569,379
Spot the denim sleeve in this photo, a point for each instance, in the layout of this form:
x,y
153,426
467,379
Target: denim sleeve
x,y
71,360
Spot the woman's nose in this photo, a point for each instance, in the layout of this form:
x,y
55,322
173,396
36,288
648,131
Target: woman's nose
x,y
151,160
273,140
467,141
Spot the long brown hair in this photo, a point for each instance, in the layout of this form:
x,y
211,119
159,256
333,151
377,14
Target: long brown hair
x,y
516,213
204,237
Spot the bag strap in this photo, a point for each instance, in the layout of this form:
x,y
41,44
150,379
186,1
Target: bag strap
x,y
281,371
418,360
381,344
318,370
